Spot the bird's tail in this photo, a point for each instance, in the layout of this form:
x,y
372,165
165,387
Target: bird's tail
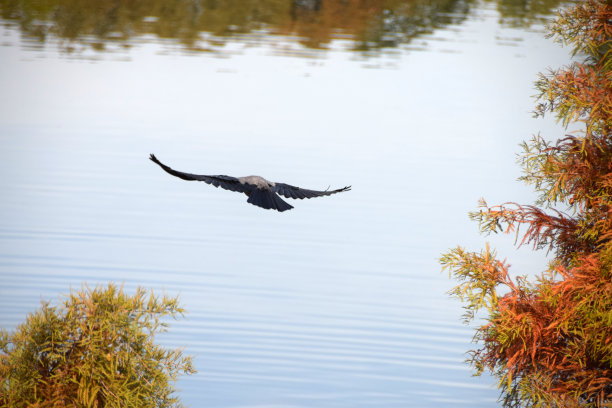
x,y
268,200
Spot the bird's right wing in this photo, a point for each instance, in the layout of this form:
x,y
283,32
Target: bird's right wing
x,y
290,191
226,182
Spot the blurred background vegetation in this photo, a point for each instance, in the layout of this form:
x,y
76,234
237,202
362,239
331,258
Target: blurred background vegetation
x,y
209,25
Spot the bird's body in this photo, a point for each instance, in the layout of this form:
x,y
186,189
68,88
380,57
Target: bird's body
x,y
256,181
261,192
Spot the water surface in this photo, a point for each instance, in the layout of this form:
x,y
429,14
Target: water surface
x,y
420,106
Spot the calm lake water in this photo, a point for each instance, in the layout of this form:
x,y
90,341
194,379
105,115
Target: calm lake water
x,y
338,303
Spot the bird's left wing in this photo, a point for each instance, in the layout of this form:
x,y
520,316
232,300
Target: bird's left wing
x,y
226,182
290,191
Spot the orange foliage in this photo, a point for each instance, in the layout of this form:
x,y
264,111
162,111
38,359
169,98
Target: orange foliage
x,y
550,342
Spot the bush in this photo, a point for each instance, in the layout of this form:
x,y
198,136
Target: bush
x,y
94,350
550,341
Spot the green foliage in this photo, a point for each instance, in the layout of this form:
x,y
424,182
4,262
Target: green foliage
x,y
96,349
549,342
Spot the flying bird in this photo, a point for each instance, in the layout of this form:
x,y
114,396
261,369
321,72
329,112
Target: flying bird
x,y
261,192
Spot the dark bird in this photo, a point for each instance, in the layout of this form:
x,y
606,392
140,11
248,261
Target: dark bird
x,y
261,192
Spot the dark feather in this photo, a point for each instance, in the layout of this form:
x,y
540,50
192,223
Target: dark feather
x,y
268,200
225,182
290,191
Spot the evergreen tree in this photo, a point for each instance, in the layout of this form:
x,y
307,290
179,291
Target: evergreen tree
x,y
94,350
549,340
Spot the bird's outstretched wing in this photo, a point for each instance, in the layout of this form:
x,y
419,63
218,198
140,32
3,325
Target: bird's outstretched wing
x,y
226,182
290,191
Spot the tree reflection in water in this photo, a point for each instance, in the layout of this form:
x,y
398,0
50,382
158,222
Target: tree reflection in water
x,y
208,25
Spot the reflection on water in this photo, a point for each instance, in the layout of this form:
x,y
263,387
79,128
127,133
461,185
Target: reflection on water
x,y
208,25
